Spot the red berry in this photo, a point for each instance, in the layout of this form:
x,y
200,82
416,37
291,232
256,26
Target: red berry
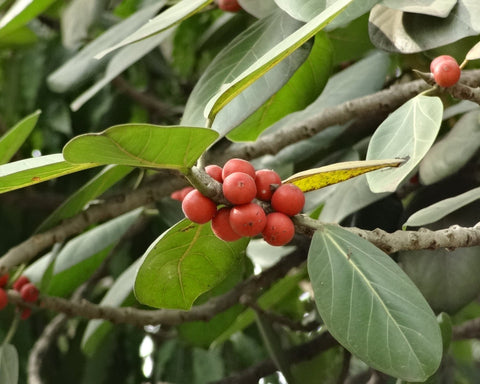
x,y
215,172
4,280
26,312
239,188
29,293
247,219
446,71
279,229
198,208
221,226
264,179
3,299
229,5
181,193
238,165
20,282
288,199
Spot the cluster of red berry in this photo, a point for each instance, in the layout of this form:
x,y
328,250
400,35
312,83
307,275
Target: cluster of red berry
x,y
28,291
241,184
229,5
445,70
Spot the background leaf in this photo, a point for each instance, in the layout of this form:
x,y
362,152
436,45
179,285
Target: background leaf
x,y
20,13
258,9
141,145
371,307
8,364
186,261
406,133
439,8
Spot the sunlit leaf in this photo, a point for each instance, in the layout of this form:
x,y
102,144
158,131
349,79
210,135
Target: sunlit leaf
x,y
16,136
409,132
439,8
272,58
21,12
317,178
371,307
442,208
141,145
8,364
474,52
184,262
257,8
35,170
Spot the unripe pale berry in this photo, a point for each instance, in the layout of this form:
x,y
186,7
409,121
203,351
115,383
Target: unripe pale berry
x,y
4,280
229,5
3,299
264,179
445,70
239,188
279,229
198,208
288,199
20,282
215,172
247,219
237,165
221,226
29,293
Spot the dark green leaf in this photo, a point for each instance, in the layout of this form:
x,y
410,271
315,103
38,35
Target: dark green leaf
x,y
184,262
8,364
142,145
371,307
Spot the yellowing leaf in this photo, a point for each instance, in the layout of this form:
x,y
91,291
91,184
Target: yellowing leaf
x,y
317,178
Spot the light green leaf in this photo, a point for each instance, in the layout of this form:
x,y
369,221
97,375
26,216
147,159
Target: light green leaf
x,y
184,262
371,307
474,52
235,58
173,15
20,37
8,364
142,145
301,89
445,158
439,8
35,170
119,294
82,65
257,8
94,188
16,136
272,58
82,255
21,12
442,208
409,132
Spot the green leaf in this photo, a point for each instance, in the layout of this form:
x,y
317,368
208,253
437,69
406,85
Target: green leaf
x,y
235,58
259,9
473,53
20,37
119,294
16,136
184,262
273,57
21,12
301,89
141,145
83,65
8,364
442,208
23,173
409,132
173,15
444,158
445,323
82,255
439,8
371,307
405,32
94,188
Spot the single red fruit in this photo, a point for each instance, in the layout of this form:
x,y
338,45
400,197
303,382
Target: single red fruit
x,y
279,229
3,299
446,71
288,199
247,219
239,188
237,165
198,208
26,313
221,226
29,293
20,282
4,280
181,193
264,178
215,172
439,60
229,5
